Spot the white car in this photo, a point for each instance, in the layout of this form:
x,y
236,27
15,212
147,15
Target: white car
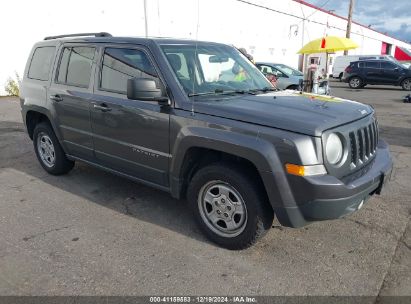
x,y
288,77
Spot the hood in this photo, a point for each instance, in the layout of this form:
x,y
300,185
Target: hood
x,y
304,113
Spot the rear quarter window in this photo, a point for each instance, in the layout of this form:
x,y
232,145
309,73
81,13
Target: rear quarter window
x,y
40,63
372,65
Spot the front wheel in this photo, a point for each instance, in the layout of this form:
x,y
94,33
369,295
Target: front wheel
x,y
229,207
406,84
355,83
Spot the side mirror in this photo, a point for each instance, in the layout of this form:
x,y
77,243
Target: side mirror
x,y
146,89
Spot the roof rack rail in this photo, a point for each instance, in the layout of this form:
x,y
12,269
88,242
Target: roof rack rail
x,y
101,34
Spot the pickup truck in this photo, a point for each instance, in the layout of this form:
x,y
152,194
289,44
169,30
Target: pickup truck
x,y
198,120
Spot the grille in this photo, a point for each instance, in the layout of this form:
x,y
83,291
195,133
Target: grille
x,y
363,144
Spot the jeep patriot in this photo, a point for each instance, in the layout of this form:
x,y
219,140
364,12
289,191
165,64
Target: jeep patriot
x,y
198,120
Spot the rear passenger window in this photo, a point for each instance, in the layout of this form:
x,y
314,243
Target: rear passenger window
x,y
119,65
41,62
75,66
372,64
62,76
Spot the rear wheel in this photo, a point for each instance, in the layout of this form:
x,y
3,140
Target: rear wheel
x,y
355,82
48,150
406,84
340,77
229,207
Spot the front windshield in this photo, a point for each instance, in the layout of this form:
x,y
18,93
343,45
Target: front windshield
x,y
288,70
213,69
406,65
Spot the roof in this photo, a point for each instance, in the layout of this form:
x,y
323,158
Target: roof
x,y
128,40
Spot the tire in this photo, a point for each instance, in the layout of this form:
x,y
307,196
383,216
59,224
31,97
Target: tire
x,y
233,198
340,77
355,82
406,84
49,151
292,87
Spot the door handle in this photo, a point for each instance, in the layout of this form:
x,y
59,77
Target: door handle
x,y
56,98
103,107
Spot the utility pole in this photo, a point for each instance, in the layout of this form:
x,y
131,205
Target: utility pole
x,y
348,32
145,18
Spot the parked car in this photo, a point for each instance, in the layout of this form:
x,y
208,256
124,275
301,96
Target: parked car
x,y
360,73
341,62
287,77
156,111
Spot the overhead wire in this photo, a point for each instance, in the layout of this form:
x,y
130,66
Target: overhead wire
x,y
304,18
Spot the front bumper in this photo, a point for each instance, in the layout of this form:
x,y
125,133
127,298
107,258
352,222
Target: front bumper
x,y
327,197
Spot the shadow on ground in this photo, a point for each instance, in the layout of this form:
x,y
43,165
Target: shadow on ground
x,y
97,186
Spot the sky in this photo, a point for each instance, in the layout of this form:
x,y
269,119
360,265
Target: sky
x,y
392,17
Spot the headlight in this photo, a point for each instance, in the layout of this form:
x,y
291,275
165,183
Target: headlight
x,y
334,149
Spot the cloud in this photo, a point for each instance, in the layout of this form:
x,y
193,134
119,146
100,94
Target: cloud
x,y
382,15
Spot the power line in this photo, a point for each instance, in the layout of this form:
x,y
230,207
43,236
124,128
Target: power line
x,y
306,18
269,8
317,10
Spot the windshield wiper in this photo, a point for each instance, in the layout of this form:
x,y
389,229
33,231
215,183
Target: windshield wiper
x,y
222,92
264,90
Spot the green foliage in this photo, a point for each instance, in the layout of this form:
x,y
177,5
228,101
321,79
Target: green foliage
x,y
12,86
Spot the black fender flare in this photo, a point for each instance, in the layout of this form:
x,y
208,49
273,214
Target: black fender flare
x,y
35,108
258,151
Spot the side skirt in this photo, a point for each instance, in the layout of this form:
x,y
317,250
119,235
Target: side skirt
x,y
130,177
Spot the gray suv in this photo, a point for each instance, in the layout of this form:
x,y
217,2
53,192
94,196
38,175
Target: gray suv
x,y
198,120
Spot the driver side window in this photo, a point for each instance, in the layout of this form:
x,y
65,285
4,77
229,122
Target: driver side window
x,y
278,73
120,64
265,69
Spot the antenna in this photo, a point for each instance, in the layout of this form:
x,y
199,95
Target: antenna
x,y
195,53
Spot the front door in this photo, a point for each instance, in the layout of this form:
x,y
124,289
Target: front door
x,y
130,136
70,93
391,73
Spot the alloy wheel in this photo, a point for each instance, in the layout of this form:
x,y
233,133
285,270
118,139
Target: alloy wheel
x,y
222,209
46,150
355,82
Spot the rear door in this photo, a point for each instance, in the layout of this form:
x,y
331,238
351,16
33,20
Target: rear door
x,y
70,93
372,71
130,136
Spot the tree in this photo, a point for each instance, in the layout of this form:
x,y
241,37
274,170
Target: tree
x,y
12,86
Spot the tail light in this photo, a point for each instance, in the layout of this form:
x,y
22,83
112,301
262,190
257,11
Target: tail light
x,y
348,69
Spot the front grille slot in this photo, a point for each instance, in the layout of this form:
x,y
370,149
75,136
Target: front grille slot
x,y
354,150
363,143
371,132
367,142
